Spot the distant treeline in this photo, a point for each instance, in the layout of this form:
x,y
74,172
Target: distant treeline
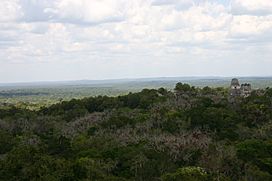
x,y
18,94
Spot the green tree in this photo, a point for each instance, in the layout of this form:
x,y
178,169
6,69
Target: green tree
x,y
188,174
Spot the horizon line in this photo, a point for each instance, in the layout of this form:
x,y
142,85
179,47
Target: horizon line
x,y
129,79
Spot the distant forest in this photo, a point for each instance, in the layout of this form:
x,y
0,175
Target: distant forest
x,y
36,95
189,133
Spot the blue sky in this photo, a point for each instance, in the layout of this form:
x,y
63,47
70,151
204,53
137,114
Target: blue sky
x,y
45,40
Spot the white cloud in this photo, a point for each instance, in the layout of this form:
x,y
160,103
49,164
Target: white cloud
x,y
246,25
200,18
9,10
256,7
67,11
88,11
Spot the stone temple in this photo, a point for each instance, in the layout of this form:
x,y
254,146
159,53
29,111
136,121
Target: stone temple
x,y
237,90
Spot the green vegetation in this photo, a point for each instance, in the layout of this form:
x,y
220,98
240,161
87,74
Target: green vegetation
x,y
192,134
36,95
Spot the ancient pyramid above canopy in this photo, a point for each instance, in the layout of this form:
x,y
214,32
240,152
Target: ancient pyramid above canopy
x,y
235,82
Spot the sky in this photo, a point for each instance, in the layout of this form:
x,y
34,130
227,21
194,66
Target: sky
x,y
50,40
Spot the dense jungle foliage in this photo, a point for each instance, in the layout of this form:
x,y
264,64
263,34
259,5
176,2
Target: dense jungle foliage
x,y
192,134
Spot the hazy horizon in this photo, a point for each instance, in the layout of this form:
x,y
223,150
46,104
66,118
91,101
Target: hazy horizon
x,y
132,79
64,40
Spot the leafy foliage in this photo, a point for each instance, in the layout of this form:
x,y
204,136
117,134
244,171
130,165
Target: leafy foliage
x,y
189,134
